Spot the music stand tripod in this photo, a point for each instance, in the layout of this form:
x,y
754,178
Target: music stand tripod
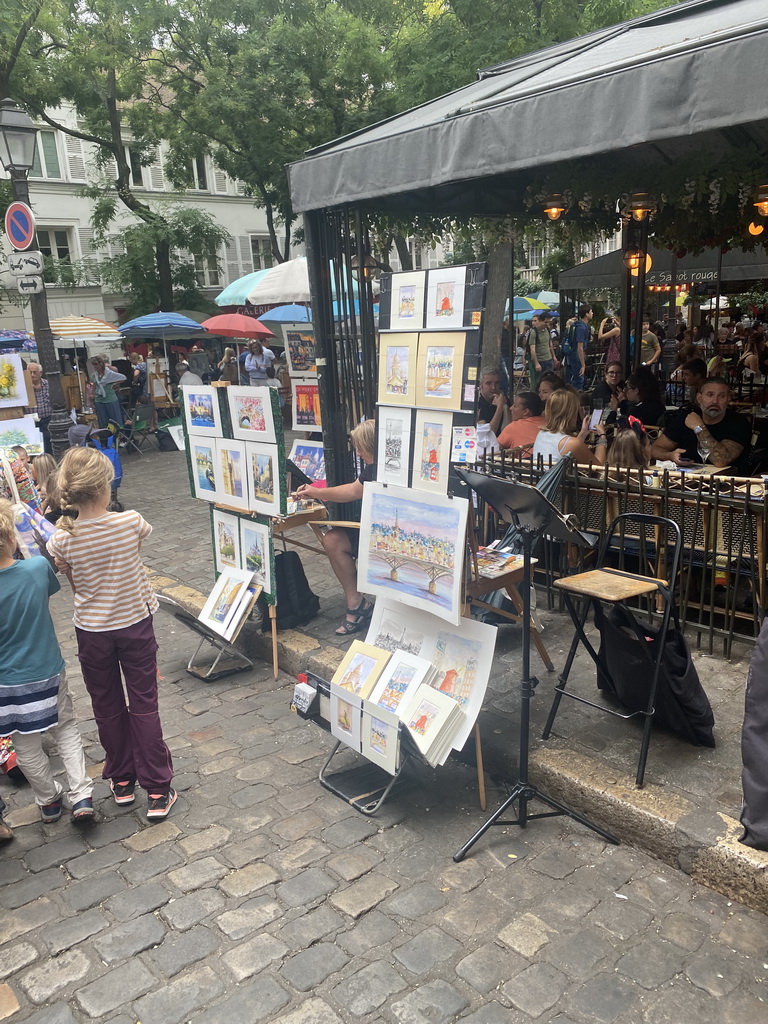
x,y
534,515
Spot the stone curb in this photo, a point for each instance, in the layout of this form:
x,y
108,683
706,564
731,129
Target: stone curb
x,y
702,843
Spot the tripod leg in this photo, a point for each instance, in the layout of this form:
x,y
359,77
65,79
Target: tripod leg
x,y
562,809
514,795
563,679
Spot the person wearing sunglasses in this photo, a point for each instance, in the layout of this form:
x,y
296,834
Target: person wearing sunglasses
x,y
608,387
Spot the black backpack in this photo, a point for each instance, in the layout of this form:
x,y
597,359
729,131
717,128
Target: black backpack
x,y
296,604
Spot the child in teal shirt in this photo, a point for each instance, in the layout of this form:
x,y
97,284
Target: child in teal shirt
x,y
34,697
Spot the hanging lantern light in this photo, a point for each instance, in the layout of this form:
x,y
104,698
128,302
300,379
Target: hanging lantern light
x,y
554,206
640,204
756,229
761,200
633,259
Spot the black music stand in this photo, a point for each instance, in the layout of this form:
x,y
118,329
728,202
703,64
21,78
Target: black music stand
x,y
534,515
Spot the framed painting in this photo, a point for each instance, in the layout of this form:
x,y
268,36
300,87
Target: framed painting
x,y
415,548
401,678
23,431
230,474
397,369
226,541
380,737
407,310
202,460
394,445
266,484
299,342
256,552
346,708
13,387
201,410
433,439
229,593
445,297
176,431
439,371
251,413
360,668
306,405
309,457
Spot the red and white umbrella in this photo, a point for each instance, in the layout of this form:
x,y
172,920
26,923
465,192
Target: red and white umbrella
x,y
235,325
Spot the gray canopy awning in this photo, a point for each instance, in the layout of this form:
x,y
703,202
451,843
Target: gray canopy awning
x,y
655,88
606,271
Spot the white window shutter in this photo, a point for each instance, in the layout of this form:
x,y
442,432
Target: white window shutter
x,y
246,260
240,188
156,175
88,249
220,181
75,158
232,263
116,246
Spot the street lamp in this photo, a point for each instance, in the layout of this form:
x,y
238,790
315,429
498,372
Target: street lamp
x,y
18,137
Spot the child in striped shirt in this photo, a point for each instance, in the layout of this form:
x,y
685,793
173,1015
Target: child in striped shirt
x,y
34,698
114,604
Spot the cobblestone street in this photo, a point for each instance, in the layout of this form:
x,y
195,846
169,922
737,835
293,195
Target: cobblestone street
x,y
263,897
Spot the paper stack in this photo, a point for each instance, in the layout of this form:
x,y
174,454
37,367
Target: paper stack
x,y
433,720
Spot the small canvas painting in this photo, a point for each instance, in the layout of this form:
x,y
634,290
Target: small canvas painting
x,y
431,461
398,370
445,297
226,541
202,457
300,352
23,431
229,470
256,552
380,738
251,413
400,679
360,668
415,548
407,312
438,381
306,406
357,674
394,445
345,716
265,488
422,717
309,457
13,387
201,410
229,599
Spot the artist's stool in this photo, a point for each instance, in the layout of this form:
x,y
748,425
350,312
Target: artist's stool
x,y
616,586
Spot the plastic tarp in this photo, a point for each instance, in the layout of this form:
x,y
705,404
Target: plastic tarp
x,y
650,89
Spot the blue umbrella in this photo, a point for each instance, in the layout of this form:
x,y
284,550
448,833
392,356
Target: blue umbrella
x,y
168,326
236,293
20,341
289,314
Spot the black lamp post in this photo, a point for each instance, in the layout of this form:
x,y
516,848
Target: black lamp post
x,y
18,137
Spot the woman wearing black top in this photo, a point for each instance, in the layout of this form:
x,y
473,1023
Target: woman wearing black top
x,y
641,398
608,387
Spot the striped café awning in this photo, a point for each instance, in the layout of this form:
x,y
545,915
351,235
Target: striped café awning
x,y
87,328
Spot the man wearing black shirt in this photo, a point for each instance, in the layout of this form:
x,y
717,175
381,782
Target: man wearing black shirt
x,y
726,434
492,403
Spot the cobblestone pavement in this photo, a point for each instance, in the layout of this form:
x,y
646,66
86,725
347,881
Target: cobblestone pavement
x,y
264,898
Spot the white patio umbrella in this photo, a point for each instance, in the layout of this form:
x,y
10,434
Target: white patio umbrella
x,y
285,282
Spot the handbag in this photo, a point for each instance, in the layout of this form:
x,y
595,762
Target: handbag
x,y
627,653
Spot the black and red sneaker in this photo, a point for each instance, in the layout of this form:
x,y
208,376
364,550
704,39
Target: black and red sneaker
x,y
123,792
158,806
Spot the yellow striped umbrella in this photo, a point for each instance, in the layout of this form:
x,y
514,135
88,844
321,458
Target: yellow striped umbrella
x,y
85,327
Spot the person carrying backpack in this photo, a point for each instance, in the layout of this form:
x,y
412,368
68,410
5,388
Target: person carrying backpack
x,y
575,342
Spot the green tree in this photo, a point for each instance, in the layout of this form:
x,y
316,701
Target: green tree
x,y
260,83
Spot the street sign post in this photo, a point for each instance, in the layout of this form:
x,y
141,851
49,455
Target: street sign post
x,y
20,226
30,285
26,264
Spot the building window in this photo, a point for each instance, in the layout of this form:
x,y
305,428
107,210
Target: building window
x,y
207,271
54,242
199,174
137,171
261,253
46,163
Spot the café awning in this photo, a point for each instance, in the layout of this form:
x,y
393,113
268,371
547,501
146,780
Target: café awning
x,y
606,271
648,92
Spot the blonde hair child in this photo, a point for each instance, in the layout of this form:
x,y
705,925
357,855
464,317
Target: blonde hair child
x,y
114,605
34,697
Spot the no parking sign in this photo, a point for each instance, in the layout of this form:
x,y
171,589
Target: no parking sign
x,y
20,226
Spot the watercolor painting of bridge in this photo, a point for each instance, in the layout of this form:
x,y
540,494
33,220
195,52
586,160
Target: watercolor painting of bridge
x,y
414,549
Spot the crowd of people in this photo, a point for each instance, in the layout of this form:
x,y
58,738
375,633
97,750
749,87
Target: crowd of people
x,y
626,419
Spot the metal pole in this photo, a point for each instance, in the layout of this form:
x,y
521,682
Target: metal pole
x,y
626,301
41,325
640,295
